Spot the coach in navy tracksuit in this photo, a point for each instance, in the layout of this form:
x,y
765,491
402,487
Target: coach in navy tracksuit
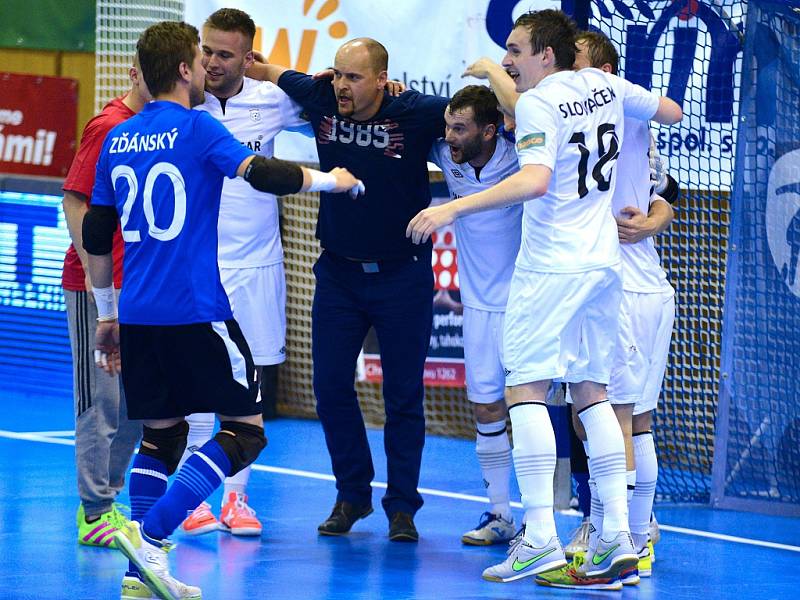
x,y
369,274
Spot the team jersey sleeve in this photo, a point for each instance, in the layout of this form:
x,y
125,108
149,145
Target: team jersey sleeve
x,y
81,174
431,108
221,150
103,193
637,102
435,155
536,132
306,91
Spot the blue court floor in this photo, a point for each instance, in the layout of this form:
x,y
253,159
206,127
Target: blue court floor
x,y
702,554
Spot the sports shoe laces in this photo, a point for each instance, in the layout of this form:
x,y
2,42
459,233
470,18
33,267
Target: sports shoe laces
x,y
515,541
241,505
117,517
581,533
486,518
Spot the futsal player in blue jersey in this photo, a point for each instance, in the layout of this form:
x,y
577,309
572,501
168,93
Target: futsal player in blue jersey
x,y
369,274
181,350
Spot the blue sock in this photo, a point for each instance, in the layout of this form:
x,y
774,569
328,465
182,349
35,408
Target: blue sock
x,y
147,484
584,494
200,475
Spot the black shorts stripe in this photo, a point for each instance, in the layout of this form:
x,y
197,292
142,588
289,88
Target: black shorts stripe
x,y
84,353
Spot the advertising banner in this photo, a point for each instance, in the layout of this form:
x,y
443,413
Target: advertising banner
x,y
38,116
34,345
690,51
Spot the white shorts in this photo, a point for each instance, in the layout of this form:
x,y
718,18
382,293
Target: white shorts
x,y
658,359
643,339
258,299
483,355
561,326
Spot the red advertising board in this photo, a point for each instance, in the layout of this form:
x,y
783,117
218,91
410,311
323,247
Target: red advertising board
x,y
38,116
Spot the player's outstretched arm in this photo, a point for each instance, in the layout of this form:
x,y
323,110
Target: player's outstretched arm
x,y
281,177
264,71
504,87
529,182
668,113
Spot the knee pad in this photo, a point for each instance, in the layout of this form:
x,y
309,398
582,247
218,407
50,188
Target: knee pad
x,y
167,444
242,443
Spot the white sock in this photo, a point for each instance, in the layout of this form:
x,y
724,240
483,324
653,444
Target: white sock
x,y
494,456
236,483
201,428
535,464
630,480
646,476
607,466
596,515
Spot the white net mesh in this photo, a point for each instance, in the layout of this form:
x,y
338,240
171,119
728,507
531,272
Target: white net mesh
x,y
118,25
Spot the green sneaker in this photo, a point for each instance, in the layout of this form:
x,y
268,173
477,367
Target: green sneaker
x,y
100,533
573,577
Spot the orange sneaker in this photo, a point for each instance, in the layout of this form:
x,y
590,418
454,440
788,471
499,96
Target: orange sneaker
x,y
200,520
238,518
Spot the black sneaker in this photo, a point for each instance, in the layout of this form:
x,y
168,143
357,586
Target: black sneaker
x,y
401,528
342,518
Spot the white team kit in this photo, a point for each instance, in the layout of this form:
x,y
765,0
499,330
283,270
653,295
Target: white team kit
x,y
250,254
487,244
648,303
564,301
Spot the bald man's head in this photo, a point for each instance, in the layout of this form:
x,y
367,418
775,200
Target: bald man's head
x,y
378,57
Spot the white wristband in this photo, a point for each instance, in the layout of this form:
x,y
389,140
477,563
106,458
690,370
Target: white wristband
x,y
321,182
106,301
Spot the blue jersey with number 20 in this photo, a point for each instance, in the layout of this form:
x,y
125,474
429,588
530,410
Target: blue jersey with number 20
x,y
163,170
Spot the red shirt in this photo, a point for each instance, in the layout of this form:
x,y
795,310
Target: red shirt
x,y
80,179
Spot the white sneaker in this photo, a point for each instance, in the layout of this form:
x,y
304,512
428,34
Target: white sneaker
x,y
526,560
655,535
579,541
492,529
150,557
611,558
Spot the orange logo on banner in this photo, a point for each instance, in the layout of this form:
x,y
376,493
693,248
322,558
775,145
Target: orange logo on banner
x,y
280,53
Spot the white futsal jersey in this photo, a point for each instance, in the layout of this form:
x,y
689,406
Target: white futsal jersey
x,y
572,122
249,234
641,265
487,242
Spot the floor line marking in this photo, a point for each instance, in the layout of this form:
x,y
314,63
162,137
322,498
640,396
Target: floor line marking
x,y
38,437
34,437
62,433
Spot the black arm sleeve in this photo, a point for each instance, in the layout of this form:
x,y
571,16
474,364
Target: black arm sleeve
x,y
99,225
670,193
274,176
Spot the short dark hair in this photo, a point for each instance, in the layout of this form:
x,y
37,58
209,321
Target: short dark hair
x,y
600,49
551,28
232,19
482,101
161,50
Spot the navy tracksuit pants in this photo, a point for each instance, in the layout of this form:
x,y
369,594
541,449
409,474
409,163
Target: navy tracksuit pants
x,y
398,302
